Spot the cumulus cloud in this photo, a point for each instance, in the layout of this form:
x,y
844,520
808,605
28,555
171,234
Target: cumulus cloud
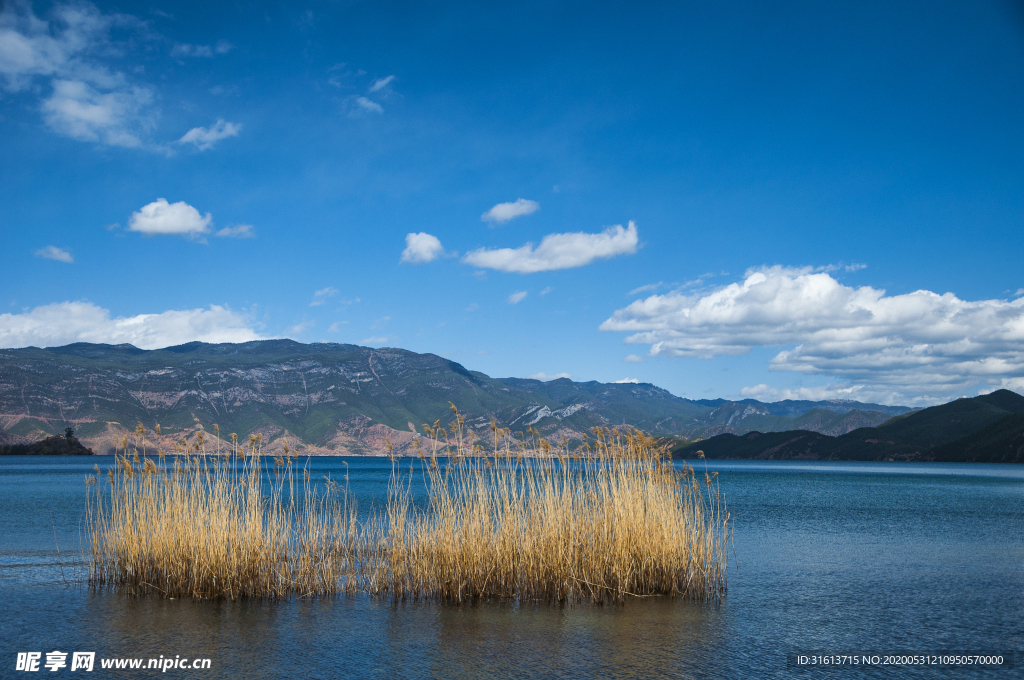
x,y
369,105
161,217
381,83
55,253
65,57
633,381
66,43
503,212
80,111
205,138
67,322
237,231
633,359
420,248
558,251
1015,384
544,377
87,100
517,297
914,344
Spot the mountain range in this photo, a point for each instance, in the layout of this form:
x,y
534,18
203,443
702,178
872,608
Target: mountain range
x,y
348,400
988,428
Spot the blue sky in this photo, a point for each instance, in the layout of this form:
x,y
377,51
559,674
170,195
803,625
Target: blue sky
x,y
804,200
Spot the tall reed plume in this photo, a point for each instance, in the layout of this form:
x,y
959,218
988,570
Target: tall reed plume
x,y
519,519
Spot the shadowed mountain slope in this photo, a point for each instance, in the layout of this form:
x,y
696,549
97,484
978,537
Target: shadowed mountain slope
x,y
988,428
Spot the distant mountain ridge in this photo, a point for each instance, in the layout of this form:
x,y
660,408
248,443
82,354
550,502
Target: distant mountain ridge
x,y
987,428
330,398
794,408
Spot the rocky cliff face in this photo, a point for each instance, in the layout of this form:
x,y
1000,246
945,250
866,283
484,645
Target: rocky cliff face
x,y
338,399
8,439
838,424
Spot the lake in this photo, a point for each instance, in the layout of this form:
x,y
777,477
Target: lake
x,y
829,558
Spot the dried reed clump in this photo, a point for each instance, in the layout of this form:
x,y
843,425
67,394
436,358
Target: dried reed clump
x,y
211,526
519,520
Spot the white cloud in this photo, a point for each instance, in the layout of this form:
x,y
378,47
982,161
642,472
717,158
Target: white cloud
x,y
558,251
320,296
30,46
1020,291
633,359
764,392
517,297
161,217
67,322
633,381
547,290
205,138
237,231
301,327
369,105
374,340
649,286
336,326
88,101
544,377
904,346
205,51
55,253
1015,384
381,83
855,267
186,50
420,248
503,212
116,118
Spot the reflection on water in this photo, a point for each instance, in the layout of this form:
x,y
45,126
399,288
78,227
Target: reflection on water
x,y
843,556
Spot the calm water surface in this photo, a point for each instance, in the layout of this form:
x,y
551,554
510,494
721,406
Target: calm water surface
x,y
829,557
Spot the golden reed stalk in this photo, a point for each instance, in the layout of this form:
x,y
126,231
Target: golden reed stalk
x,y
520,520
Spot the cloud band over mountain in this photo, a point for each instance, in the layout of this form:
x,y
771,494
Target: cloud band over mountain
x,y
63,323
919,342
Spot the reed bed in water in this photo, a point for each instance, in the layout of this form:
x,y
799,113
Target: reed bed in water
x,y
216,526
519,520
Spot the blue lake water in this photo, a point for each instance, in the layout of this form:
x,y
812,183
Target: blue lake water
x,y
828,558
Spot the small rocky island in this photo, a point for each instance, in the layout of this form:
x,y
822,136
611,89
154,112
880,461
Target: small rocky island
x,y
56,445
